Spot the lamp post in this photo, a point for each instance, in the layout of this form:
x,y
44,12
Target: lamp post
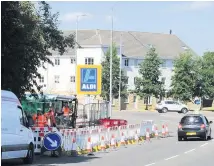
x,y
120,72
111,53
76,46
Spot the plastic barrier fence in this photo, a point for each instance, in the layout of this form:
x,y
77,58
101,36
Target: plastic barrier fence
x,y
86,140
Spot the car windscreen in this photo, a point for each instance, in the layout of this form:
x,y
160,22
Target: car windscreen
x,y
188,120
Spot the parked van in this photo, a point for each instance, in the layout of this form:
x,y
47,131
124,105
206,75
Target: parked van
x,y
16,136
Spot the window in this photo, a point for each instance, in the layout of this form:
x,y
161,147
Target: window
x,y
135,62
163,80
41,80
191,120
89,61
21,117
72,60
134,98
56,79
149,100
207,122
135,79
57,61
163,63
72,78
126,62
127,80
169,102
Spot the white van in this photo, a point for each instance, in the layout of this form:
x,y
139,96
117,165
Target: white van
x,y
16,136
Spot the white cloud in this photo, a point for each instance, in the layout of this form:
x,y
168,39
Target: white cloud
x,y
193,6
71,17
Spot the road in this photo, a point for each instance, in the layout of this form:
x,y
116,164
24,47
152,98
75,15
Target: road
x,y
163,152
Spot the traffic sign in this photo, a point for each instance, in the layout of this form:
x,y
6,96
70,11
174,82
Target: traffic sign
x,y
52,141
88,79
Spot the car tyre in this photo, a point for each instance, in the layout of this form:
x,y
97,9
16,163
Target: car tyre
x,y
30,155
164,110
184,110
179,138
210,136
205,137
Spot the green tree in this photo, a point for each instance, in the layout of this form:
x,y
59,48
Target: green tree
x,y
207,74
28,35
186,76
148,84
115,76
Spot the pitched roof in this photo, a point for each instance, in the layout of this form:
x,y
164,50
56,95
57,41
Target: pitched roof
x,y
135,44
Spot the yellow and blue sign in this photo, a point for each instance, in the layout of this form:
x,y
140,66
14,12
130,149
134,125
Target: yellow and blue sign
x,y
88,79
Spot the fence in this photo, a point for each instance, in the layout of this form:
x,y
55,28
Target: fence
x,y
86,140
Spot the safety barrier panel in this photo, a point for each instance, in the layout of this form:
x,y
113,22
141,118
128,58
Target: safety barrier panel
x,y
92,139
38,134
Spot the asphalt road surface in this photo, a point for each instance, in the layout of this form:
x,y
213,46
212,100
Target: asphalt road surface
x,y
162,152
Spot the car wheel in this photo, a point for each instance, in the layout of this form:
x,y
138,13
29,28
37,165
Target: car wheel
x,y
184,110
205,137
179,138
159,111
164,110
30,155
210,136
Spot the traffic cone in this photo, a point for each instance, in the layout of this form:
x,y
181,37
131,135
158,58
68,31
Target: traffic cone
x,y
156,133
163,131
122,140
113,144
136,138
74,148
89,147
166,130
147,135
103,146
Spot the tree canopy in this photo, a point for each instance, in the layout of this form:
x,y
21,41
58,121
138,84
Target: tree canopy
x,y
207,74
186,76
148,83
28,36
115,76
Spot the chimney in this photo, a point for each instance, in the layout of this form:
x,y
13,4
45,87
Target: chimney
x,y
170,32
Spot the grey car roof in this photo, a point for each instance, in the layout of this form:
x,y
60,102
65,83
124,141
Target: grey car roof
x,y
134,44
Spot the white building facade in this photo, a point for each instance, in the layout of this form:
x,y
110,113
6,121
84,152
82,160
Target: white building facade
x,y
60,77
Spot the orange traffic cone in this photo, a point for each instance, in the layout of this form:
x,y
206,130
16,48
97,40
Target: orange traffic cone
x,y
156,133
122,140
103,146
166,130
163,131
113,144
147,135
74,148
136,137
89,146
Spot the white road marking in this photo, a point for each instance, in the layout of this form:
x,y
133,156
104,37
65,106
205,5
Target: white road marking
x,y
204,145
189,151
150,164
171,157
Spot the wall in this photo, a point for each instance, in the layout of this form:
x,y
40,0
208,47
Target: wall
x,y
132,71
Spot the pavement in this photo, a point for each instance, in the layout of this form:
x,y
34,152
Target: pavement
x,y
162,152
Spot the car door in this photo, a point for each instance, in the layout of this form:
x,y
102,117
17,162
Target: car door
x,y
176,106
169,105
172,105
23,133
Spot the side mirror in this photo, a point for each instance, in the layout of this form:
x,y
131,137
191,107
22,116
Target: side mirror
x,y
30,121
211,122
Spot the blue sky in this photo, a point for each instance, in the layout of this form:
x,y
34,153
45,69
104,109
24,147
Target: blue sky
x,y
192,22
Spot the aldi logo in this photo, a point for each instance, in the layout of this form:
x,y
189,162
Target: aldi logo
x,y
89,79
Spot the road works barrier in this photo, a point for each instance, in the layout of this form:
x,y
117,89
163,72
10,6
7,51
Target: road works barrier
x,y
94,139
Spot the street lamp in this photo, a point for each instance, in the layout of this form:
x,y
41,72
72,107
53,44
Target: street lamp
x,y
76,46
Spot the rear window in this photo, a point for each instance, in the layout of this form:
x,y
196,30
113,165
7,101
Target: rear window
x,y
192,120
